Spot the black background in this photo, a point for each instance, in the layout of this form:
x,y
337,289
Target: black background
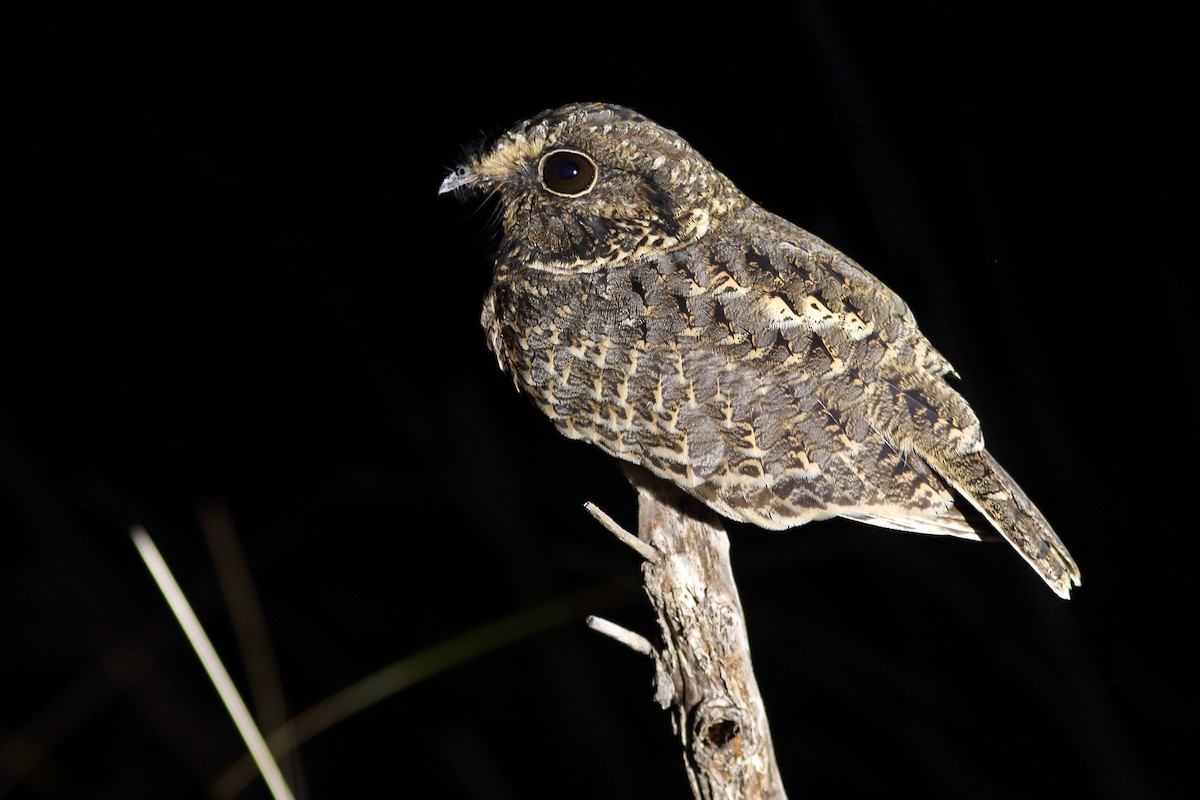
x,y
229,283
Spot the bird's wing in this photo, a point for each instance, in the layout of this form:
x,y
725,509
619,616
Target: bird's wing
x,y
760,382
896,380
870,409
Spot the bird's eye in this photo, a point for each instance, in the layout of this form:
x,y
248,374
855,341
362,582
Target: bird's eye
x,y
568,172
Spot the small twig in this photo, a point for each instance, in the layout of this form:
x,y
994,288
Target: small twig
x,y
646,551
212,664
634,641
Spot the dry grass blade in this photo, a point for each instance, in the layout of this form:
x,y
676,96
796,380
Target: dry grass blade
x,y
212,664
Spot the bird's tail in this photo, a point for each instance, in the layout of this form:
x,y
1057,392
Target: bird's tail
x,y
996,495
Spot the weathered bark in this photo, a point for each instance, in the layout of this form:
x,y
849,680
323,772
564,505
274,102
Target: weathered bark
x,y
703,669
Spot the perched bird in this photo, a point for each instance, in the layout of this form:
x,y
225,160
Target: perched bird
x,y
649,307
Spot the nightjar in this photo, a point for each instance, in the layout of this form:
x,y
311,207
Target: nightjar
x,y
649,307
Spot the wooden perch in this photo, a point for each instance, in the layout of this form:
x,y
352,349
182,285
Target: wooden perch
x,y
703,671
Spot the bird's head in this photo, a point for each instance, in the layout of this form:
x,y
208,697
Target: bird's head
x,y
589,186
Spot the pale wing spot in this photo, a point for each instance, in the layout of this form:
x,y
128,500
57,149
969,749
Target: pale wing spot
x,y
725,285
779,313
856,328
818,315
634,356
807,469
618,423
699,223
679,373
598,417
752,473
602,351
727,414
679,456
733,339
629,418
668,422
849,452
725,479
750,448
657,405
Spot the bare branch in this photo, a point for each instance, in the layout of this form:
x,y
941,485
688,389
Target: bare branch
x,y
703,672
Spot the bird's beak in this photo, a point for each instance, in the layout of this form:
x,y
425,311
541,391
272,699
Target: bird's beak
x,y
460,177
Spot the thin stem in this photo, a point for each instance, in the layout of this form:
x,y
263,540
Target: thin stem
x,y
212,664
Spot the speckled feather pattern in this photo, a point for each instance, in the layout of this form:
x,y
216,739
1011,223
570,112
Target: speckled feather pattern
x,y
667,319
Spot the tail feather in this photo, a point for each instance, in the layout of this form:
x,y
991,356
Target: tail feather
x,y
986,485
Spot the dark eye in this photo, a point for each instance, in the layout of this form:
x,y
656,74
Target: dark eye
x,y
568,172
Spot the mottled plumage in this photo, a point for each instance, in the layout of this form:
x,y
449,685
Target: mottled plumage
x,y
650,308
